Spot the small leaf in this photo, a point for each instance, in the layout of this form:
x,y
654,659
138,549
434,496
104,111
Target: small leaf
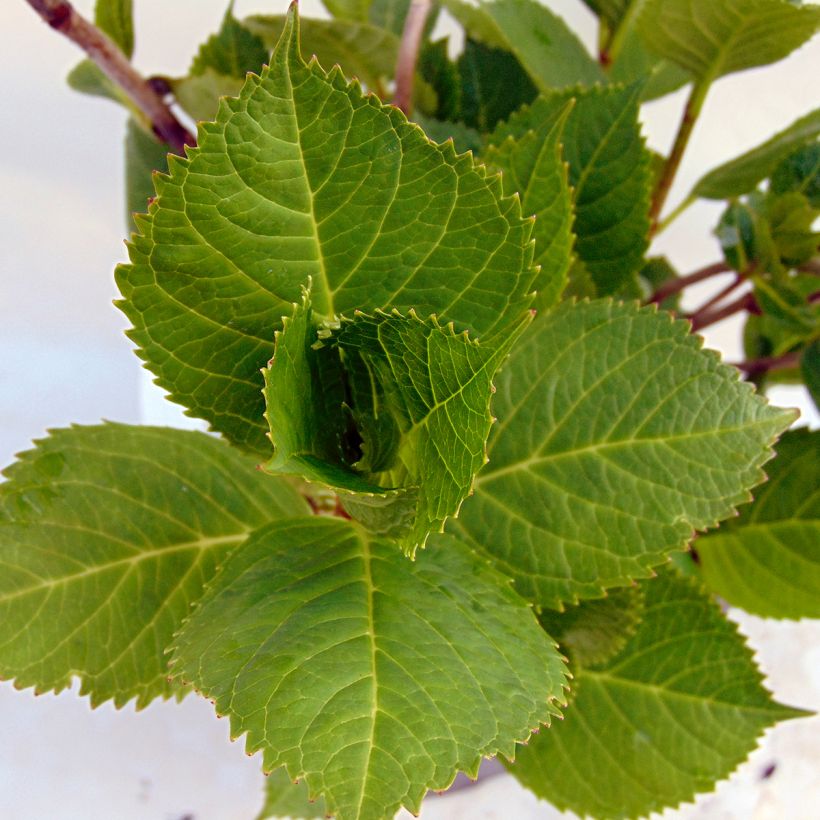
x,y
617,436
800,173
390,411
594,631
116,19
541,41
87,78
741,175
371,677
232,52
284,798
711,39
767,561
676,711
533,167
609,169
144,155
107,534
304,177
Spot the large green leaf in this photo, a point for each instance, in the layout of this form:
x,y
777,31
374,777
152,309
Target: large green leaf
x,y
107,534
533,166
284,798
742,174
711,38
302,177
372,677
617,436
677,710
541,41
390,411
144,154
609,170
767,561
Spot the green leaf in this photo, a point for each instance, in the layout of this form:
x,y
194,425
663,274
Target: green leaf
x,y
391,14
800,173
144,155
676,711
609,169
810,369
742,174
372,677
348,9
618,435
711,39
595,631
635,63
767,561
107,534
390,411
284,798
532,166
87,78
463,137
541,41
232,52
304,177
116,19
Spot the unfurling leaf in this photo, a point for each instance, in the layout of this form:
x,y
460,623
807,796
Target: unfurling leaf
x,y
390,411
670,715
107,534
371,677
303,177
767,560
617,437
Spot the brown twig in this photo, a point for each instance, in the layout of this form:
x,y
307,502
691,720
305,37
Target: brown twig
x,y
703,319
721,294
409,52
674,286
753,367
62,17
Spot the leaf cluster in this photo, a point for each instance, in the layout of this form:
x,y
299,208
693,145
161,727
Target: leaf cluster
x,y
451,453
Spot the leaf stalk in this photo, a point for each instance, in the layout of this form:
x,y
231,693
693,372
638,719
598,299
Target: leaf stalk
x,y
674,286
409,53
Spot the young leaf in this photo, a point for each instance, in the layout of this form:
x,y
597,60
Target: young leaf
x,y
541,41
107,534
87,78
116,19
233,51
284,798
372,677
401,433
609,170
676,711
711,39
617,436
767,561
144,154
532,166
741,175
304,177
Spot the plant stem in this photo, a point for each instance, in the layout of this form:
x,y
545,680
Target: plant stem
x,y
673,215
676,285
409,53
703,319
690,115
615,40
753,367
722,294
62,17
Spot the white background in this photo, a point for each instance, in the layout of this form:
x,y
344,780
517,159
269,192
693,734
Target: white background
x,y
63,358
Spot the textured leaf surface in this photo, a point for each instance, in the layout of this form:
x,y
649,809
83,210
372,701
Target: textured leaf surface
x,y
608,170
372,677
391,411
594,631
712,39
767,561
107,534
676,711
284,798
541,41
617,436
532,165
742,174
303,177
144,154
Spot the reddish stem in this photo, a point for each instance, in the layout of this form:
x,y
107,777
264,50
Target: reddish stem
x,y
703,319
674,286
409,52
753,367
